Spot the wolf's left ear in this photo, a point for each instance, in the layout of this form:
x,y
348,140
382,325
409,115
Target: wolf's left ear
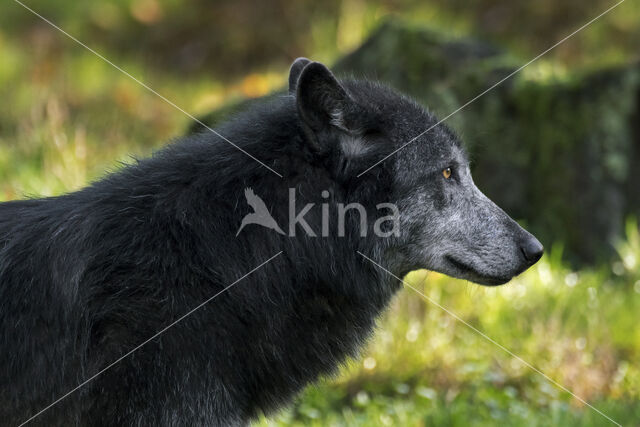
x,y
322,101
294,73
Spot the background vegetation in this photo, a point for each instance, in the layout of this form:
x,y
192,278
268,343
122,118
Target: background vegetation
x,y
67,117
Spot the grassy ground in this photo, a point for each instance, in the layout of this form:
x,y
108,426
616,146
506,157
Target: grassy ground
x,y
66,118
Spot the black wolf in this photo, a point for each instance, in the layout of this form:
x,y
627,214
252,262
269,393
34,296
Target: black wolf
x,y
88,276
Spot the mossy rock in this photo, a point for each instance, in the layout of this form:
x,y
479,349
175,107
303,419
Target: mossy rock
x,y
558,154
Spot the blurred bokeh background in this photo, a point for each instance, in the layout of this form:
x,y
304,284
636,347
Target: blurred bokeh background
x,y
558,146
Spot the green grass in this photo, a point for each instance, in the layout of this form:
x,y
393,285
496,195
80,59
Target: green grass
x,y
67,118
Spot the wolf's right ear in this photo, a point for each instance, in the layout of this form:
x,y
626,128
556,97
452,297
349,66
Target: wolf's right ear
x,y
322,101
295,71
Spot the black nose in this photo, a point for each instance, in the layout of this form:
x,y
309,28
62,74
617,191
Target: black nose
x,y
532,250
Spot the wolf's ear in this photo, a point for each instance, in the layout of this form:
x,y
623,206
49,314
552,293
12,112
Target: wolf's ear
x,y
294,73
322,101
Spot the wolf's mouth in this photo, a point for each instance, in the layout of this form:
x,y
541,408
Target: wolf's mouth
x,y
470,273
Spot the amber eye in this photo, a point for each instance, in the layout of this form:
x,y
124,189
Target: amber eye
x,y
446,173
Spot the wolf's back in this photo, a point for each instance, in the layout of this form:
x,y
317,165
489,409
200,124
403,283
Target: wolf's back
x,y
12,215
36,330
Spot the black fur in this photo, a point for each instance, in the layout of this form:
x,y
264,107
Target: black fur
x,y
87,276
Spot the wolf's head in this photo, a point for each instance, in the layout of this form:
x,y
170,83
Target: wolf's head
x,y
446,223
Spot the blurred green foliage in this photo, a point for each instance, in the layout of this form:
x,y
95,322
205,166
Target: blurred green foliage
x,y
236,36
67,118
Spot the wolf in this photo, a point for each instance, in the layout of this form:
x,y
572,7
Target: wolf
x,y
93,283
